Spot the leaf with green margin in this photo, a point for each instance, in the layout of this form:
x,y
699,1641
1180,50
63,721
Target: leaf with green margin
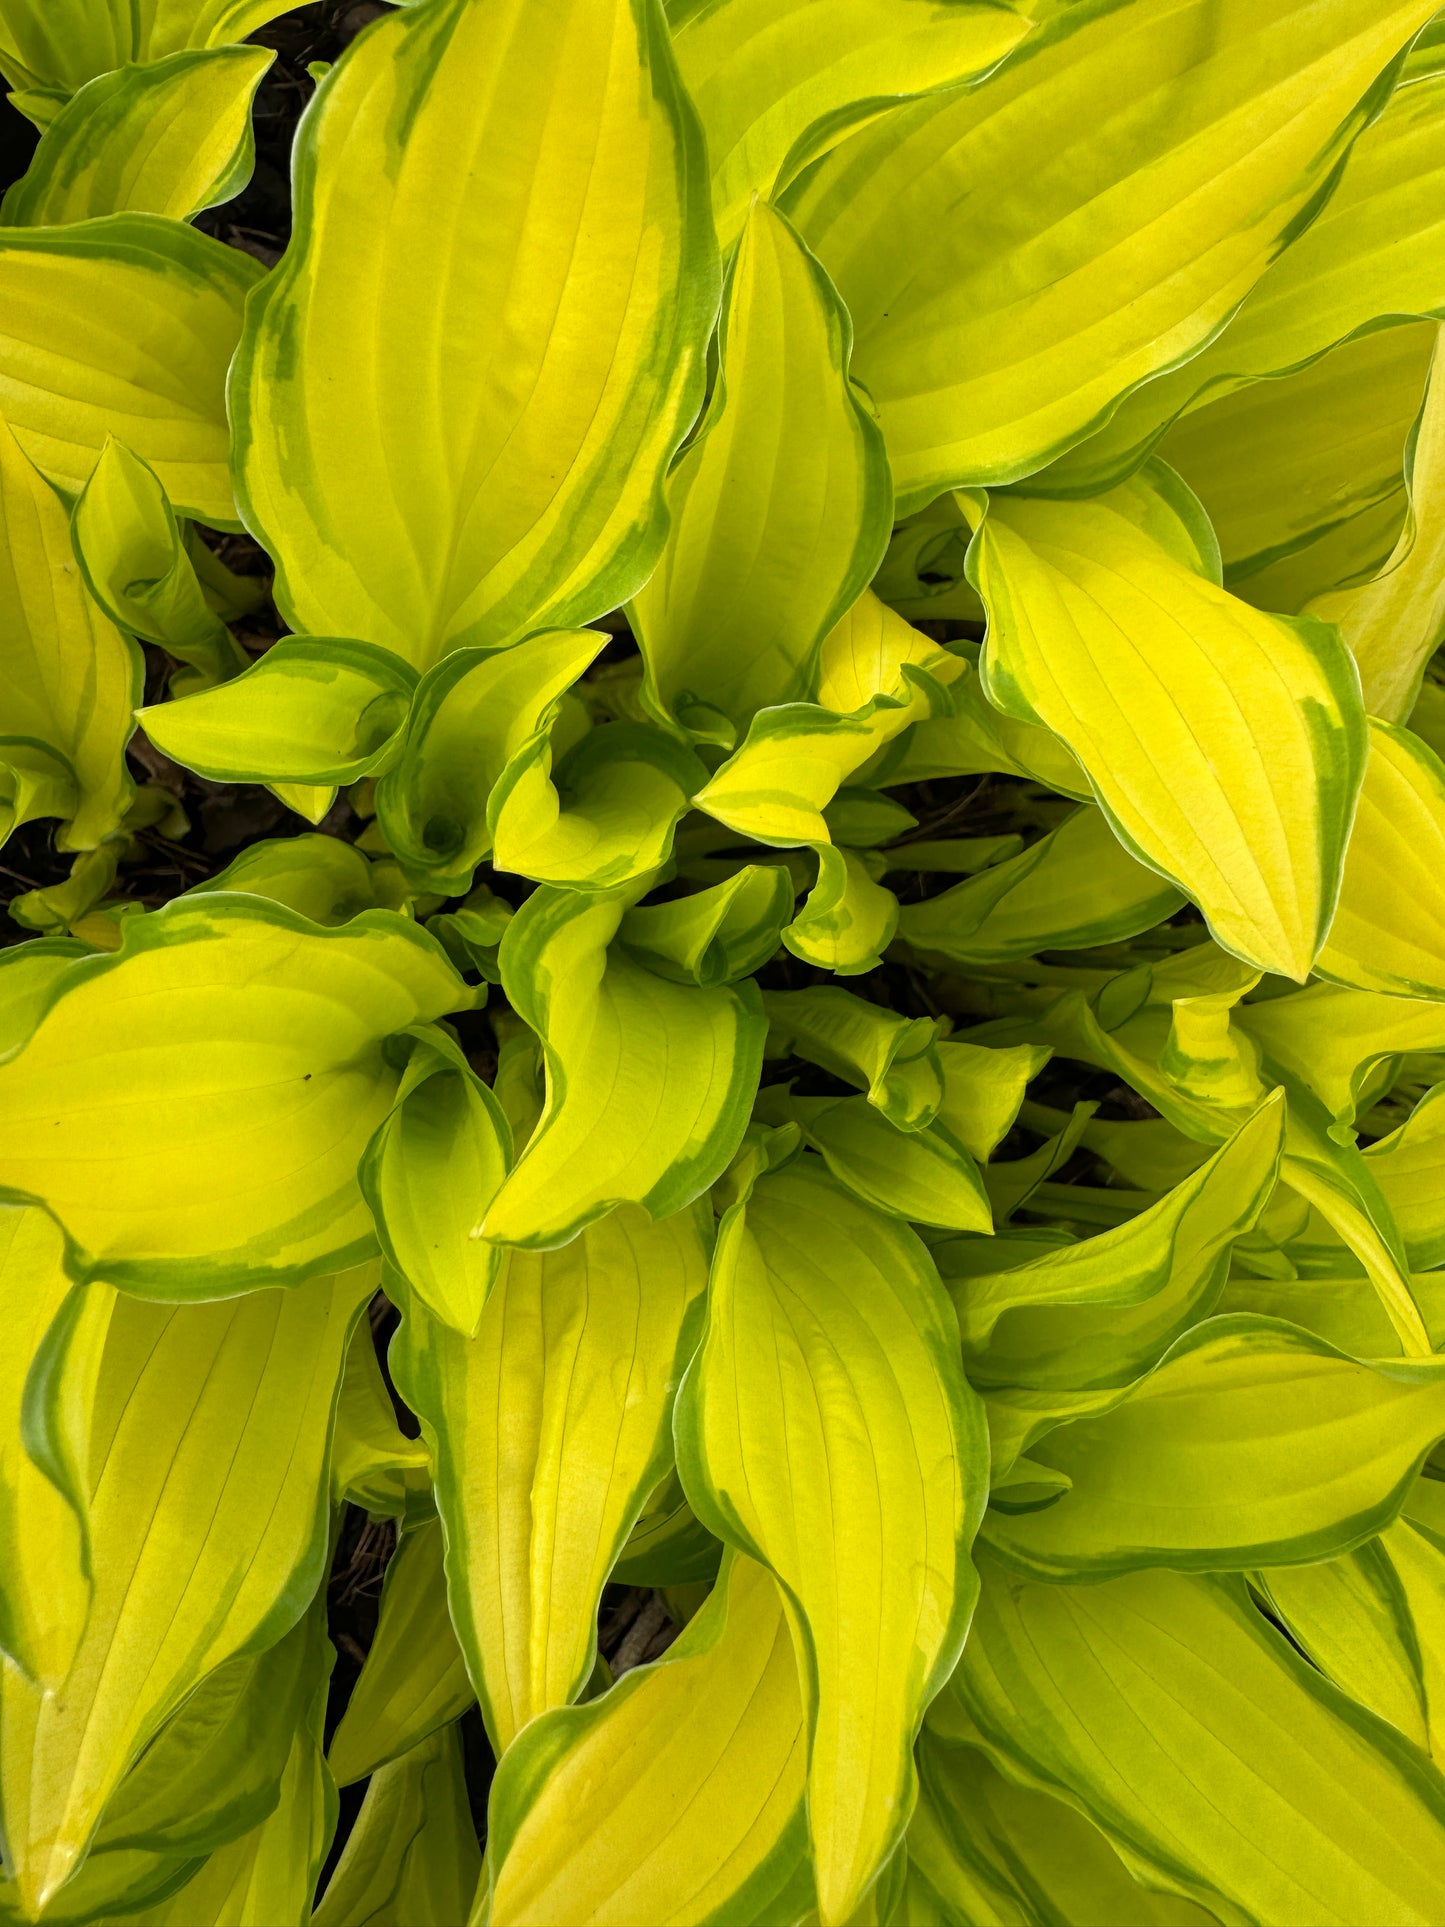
x,y
69,680
191,1107
136,565
171,137
471,716
209,1526
862,819
1409,1167
779,509
825,1427
1012,1855
435,1164
1187,153
56,46
108,1888
1343,554
924,1176
669,1545
983,1089
977,739
1375,254
1075,887
1011,1182
1416,1553
1345,1311
714,1733
1102,1311
649,1083
1251,1443
495,464
1351,1617
848,920
776,86
715,936
412,1855
1235,768
1393,621
1329,1039
415,1678
313,710
124,326
549,1429
1219,1762
895,1059
606,818
373,1463
323,878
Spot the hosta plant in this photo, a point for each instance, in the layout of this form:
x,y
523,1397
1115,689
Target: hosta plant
x,y
839,1040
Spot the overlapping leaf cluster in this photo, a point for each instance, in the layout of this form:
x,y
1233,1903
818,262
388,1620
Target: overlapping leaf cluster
x,y
987,1283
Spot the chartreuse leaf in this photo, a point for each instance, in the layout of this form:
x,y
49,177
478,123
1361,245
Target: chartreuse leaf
x,y
549,1430
1352,1617
977,738
894,1059
373,1463
1281,464
415,1678
968,269
495,464
471,717
208,1526
324,878
1330,1039
983,1089
1221,1764
1252,1443
713,1735
171,137
429,1174
609,816
1409,1167
1393,620
1415,1549
45,1581
1235,768
848,920
825,1427
1388,933
649,1083
715,936
1376,253
136,564
669,1546
124,326
191,1107
55,46
68,679
413,1853
1075,887
998,1851
780,510
777,86
313,710
925,1176
1102,1311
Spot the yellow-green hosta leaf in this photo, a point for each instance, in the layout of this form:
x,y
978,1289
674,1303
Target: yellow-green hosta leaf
x,y
776,86
716,935
607,816
713,1735
412,1855
1376,253
924,1176
471,716
1235,769
208,1526
373,1463
45,1585
983,1089
1351,1616
1076,887
171,137
1388,932
649,1083
124,326
1330,1039
825,1427
68,679
549,1430
415,1678
1217,1760
1409,1167
1252,1443
1102,1311
429,1174
191,1107
978,738
136,564
1001,304
669,1545
1281,464
1415,1549
1393,620
520,374
312,710
849,918
324,878
56,46
780,509
895,1059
